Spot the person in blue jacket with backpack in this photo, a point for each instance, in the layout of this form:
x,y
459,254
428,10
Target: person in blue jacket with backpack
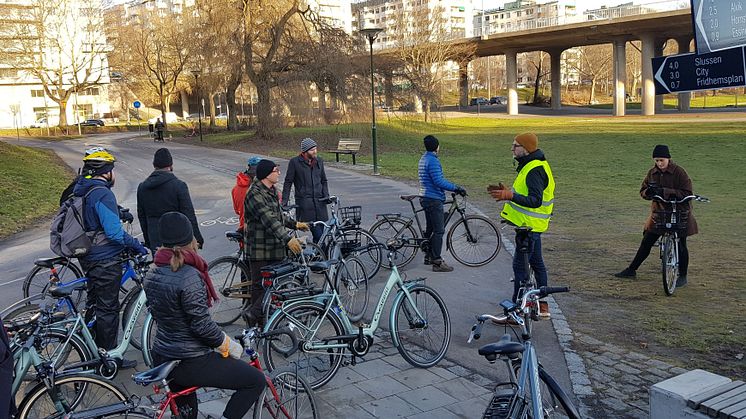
x,y
102,264
432,191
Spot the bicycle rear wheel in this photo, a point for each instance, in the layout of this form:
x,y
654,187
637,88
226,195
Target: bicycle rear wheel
x,y
386,229
68,394
555,402
372,257
422,342
670,264
37,280
288,395
474,240
231,278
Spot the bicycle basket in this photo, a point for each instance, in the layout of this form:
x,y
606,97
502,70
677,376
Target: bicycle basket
x,y
350,240
663,220
354,214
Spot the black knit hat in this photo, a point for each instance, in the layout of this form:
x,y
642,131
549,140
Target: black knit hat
x,y
162,158
175,229
264,168
661,151
431,143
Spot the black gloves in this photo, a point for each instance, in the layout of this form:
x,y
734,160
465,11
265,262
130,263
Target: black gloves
x,y
653,190
460,191
125,215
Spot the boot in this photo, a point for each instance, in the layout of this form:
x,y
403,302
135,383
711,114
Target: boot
x,y
428,261
626,273
681,281
441,266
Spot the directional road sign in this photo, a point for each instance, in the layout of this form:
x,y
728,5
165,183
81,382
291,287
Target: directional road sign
x,y
719,24
687,72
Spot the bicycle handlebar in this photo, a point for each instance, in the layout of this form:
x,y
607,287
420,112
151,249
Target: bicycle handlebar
x,y
249,337
686,199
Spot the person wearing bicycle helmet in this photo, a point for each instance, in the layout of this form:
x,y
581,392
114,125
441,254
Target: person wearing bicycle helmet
x,y
179,292
102,265
669,181
238,193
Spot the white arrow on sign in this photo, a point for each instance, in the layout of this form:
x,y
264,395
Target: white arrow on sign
x,y
701,25
659,75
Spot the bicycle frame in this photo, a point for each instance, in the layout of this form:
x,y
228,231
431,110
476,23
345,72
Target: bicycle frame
x,y
528,377
454,207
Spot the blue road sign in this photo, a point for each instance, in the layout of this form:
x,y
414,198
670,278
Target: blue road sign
x,y
687,72
719,24
136,104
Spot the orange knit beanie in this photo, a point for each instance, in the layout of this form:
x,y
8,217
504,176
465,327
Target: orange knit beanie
x,y
528,140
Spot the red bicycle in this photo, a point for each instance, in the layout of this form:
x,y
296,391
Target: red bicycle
x,y
288,395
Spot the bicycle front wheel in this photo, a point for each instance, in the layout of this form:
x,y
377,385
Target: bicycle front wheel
x,y
351,283
231,278
129,303
149,329
474,240
312,325
386,229
422,339
371,257
670,264
69,394
288,395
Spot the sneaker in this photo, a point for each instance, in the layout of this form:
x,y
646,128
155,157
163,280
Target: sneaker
x,y
626,273
442,267
544,310
681,281
125,364
428,261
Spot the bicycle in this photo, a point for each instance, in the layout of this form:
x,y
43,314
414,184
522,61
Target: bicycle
x,y
324,330
473,240
671,224
287,395
524,396
523,246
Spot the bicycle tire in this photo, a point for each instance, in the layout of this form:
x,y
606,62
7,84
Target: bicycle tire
x,y
482,231
39,404
282,284
553,397
317,368
128,305
371,257
286,380
225,272
384,229
669,267
351,283
37,280
407,344
149,330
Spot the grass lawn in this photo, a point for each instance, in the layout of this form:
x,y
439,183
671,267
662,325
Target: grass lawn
x,y
27,175
598,165
697,102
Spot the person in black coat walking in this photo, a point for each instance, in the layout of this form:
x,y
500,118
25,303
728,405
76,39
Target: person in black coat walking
x,y
160,193
306,173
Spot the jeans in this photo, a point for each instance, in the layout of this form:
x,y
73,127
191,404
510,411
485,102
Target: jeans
x,y
212,370
535,261
257,288
316,231
102,300
435,226
648,240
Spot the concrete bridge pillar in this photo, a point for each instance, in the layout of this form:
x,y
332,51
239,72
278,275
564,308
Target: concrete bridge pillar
x,y
511,75
556,64
648,85
463,84
620,76
685,98
659,44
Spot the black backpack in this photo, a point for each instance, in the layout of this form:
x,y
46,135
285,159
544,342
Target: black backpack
x,y
68,237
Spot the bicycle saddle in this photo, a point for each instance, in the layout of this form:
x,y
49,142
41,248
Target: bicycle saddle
x,y
409,198
504,346
234,235
156,374
57,291
49,262
321,266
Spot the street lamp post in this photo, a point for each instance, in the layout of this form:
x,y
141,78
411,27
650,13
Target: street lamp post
x,y
199,111
371,34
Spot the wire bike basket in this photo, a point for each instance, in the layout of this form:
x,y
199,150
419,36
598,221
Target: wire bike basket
x,y
353,214
663,221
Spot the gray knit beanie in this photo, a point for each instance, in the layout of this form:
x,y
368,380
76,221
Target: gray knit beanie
x,y
307,144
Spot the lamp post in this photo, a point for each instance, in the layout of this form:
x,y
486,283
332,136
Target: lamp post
x,y
371,34
199,111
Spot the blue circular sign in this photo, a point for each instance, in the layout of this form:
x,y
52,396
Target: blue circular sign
x,y
136,104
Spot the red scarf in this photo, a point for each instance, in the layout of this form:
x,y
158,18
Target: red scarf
x,y
163,258
311,161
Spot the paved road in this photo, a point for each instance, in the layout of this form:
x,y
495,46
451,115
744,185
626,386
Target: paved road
x,y
210,174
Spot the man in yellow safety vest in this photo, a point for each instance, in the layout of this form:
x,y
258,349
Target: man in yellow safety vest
x,y
530,204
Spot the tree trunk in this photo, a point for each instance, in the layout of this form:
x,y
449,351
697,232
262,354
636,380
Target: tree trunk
x,y
536,83
321,88
426,105
162,97
592,99
184,104
63,114
265,123
212,110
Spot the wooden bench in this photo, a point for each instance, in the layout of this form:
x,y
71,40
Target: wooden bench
x,y
347,146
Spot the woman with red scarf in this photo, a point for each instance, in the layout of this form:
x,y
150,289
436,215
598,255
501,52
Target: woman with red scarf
x,y
179,291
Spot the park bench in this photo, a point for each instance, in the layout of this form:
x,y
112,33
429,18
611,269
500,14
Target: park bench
x,y
348,146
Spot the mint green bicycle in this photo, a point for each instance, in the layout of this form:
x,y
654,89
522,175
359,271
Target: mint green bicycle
x,y
419,324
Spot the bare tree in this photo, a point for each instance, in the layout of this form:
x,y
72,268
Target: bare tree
x,y
537,60
59,43
594,64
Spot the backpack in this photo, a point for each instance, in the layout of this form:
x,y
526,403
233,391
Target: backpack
x,y
68,237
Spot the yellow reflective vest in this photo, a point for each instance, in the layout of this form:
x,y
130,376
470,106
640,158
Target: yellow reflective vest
x,y
536,218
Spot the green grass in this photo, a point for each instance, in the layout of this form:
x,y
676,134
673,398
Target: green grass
x,y
599,164
31,181
698,102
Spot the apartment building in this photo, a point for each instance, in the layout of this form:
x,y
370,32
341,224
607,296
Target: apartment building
x,y
70,49
523,15
338,13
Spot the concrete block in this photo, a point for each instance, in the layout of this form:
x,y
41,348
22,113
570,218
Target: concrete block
x,y
668,398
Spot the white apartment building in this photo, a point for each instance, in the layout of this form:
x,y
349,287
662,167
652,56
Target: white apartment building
x,y
337,13
384,13
136,8
522,15
24,99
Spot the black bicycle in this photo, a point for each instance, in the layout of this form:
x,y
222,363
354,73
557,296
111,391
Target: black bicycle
x,y
473,240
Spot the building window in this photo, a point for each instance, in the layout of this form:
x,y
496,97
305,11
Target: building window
x,y
37,93
8,72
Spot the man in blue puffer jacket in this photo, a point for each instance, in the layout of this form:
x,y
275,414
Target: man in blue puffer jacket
x,y
102,265
432,190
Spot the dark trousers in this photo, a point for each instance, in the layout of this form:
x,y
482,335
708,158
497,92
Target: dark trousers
x,y
316,231
104,278
212,370
257,288
435,226
535,262
648,240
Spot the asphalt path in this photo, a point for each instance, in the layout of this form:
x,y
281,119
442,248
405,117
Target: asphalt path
x,y
210,174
